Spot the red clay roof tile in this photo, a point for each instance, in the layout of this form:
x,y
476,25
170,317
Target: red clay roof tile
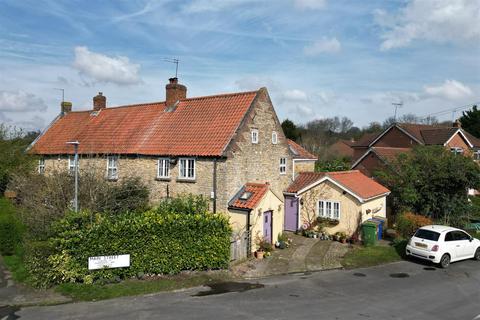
x,y
200,126
353,181
299,152
255,192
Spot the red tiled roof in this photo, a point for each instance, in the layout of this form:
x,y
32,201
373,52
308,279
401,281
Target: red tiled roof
x,y
299,152
353,181
200,126
388,153
256,193
366,139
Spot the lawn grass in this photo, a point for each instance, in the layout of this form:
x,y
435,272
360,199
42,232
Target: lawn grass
x,y
94,292
361,257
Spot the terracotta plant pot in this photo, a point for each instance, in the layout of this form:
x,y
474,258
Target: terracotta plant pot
x,y
259,254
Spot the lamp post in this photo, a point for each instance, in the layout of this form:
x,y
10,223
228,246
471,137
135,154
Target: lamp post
x,y
75,159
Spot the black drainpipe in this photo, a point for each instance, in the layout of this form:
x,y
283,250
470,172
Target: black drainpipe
x,y
215,185
249,243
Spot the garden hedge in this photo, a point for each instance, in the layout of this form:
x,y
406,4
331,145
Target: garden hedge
x,y
10,228
158,243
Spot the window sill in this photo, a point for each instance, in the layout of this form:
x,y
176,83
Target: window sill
x,y
163,178
186,180
113,179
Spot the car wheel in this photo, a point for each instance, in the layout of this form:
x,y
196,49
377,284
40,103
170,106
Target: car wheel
x,y
445,261
477,254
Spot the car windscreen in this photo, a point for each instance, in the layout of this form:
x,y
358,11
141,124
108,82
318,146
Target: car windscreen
x,y
427,234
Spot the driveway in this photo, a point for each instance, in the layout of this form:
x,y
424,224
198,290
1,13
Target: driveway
x,y
402,290
304,255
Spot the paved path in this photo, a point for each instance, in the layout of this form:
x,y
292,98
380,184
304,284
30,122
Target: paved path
x,y
372,293
12,294
305,254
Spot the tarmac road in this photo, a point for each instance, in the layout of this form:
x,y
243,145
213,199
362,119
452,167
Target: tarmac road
x,y
403,290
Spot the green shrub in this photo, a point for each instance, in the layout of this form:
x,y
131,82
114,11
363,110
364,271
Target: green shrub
x,y
10,228
36,254
158,243
185,204
408,223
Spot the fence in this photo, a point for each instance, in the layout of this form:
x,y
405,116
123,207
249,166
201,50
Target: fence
x,y
238,247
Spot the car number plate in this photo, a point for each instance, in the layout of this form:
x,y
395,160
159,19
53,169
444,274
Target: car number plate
x,y
421,245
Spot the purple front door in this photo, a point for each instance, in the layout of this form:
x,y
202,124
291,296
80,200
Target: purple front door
x,y
267,226
291,214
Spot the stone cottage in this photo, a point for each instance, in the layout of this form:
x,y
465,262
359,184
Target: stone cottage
x,y
211,146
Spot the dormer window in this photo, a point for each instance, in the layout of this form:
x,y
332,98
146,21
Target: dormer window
x,y
274,137
254,134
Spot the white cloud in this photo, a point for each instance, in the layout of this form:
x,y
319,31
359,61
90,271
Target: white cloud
x,y
310,4
118,70
432,20
324,45
35,123
256,82
295,95
450,89
20,101
197,6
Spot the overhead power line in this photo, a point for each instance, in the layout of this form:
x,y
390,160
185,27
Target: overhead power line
x,y
451,110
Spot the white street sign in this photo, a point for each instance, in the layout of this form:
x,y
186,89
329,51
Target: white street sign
x,y
100,262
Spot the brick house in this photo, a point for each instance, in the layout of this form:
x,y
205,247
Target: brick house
x,y
375,150
211,146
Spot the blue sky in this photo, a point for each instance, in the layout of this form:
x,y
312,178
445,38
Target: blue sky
x,y
318,58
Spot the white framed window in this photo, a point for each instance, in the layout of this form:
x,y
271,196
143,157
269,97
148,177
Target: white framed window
x,y
456,150
329,209
274,137
41,166
163,168
71,165
186,168
283,165
254,134
112,167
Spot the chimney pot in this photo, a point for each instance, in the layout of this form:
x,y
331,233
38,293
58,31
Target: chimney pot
x,y
457,124
99,102
174,92
66,107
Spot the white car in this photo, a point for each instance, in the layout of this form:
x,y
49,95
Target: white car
x,y
443,245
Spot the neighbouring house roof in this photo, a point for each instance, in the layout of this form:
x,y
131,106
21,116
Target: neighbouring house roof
x,y
249,196
385,154
299,152
473,140
354,182
426,134
366,140
201,126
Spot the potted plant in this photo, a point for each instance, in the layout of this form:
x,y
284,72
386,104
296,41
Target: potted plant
x,y
259,254
342,237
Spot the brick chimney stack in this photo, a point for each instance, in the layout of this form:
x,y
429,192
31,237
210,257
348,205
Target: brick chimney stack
x,y
457,124
99,102
65,107
174,92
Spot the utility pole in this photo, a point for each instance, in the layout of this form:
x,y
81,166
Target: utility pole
x,y
396,105
75,199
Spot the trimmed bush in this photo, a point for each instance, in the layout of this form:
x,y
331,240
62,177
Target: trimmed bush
x,y
158,243
408,223
10,228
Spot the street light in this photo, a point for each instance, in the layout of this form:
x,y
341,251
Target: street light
x,y
75,159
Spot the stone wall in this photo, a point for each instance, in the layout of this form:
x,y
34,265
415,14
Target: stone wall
x,y
260,162
146,168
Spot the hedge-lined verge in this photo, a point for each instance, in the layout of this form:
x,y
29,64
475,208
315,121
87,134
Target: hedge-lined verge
x,y
158,243
10,228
